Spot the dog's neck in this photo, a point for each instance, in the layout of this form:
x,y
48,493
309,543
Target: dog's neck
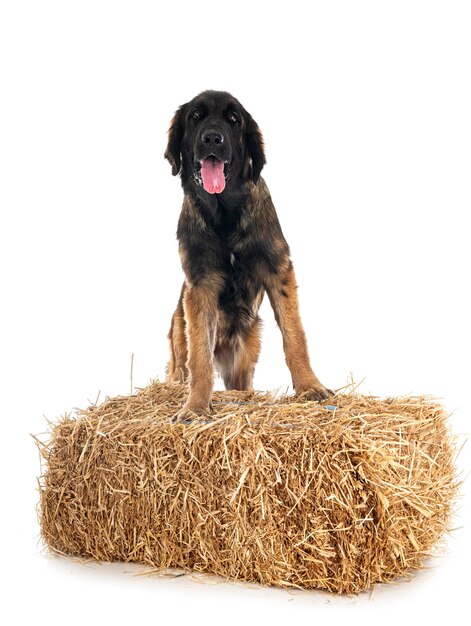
x,y
224,207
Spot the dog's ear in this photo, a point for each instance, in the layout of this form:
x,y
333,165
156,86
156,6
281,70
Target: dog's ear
x,y
175,136
255,148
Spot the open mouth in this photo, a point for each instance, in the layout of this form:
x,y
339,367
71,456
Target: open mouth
x,y
211,173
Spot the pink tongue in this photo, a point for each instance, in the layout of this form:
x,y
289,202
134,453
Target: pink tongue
x,y
212,173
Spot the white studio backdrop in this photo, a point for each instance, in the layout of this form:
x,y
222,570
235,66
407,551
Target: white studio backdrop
x,y
364,107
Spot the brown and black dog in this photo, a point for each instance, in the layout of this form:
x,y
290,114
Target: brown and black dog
x,y
232,251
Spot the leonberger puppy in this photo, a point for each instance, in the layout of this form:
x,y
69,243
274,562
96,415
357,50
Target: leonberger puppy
x,y
232,251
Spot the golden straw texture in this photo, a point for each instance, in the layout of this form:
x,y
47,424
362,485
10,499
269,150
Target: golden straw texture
x,y
269,490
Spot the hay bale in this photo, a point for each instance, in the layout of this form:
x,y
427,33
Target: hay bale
x,y
274,491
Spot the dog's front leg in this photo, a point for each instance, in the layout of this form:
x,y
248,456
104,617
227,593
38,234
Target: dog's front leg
x,y
200,306
282,291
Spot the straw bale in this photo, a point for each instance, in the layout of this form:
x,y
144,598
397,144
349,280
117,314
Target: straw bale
x,y
269,490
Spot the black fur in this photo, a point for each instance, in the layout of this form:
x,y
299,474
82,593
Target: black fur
x,y
233,252
228,233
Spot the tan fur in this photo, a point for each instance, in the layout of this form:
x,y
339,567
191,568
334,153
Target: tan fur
x,y
200,306
232,251
200,341
282,292
236,358
177,370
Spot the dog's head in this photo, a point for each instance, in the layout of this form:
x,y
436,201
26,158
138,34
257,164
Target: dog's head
x,y
213,142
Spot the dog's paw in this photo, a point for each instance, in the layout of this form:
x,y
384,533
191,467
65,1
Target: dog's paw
x,y
178,376
188,412
316,393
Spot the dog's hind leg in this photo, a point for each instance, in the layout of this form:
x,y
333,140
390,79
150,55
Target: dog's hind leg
x,y
177,370
236,358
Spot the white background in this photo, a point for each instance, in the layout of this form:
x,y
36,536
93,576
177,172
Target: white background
x,y
366,112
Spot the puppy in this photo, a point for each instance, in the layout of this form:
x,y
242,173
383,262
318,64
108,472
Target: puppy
x,y
233,252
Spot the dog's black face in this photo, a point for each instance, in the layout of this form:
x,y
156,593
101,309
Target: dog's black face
x,y
214,143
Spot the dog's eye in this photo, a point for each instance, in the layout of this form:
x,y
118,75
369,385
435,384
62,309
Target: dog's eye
x,y
196,115
233,118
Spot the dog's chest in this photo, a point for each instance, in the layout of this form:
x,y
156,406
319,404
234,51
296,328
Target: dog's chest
x,y
240,262
241,293
240,270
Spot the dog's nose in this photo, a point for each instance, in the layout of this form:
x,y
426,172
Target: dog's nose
x,y
211,137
